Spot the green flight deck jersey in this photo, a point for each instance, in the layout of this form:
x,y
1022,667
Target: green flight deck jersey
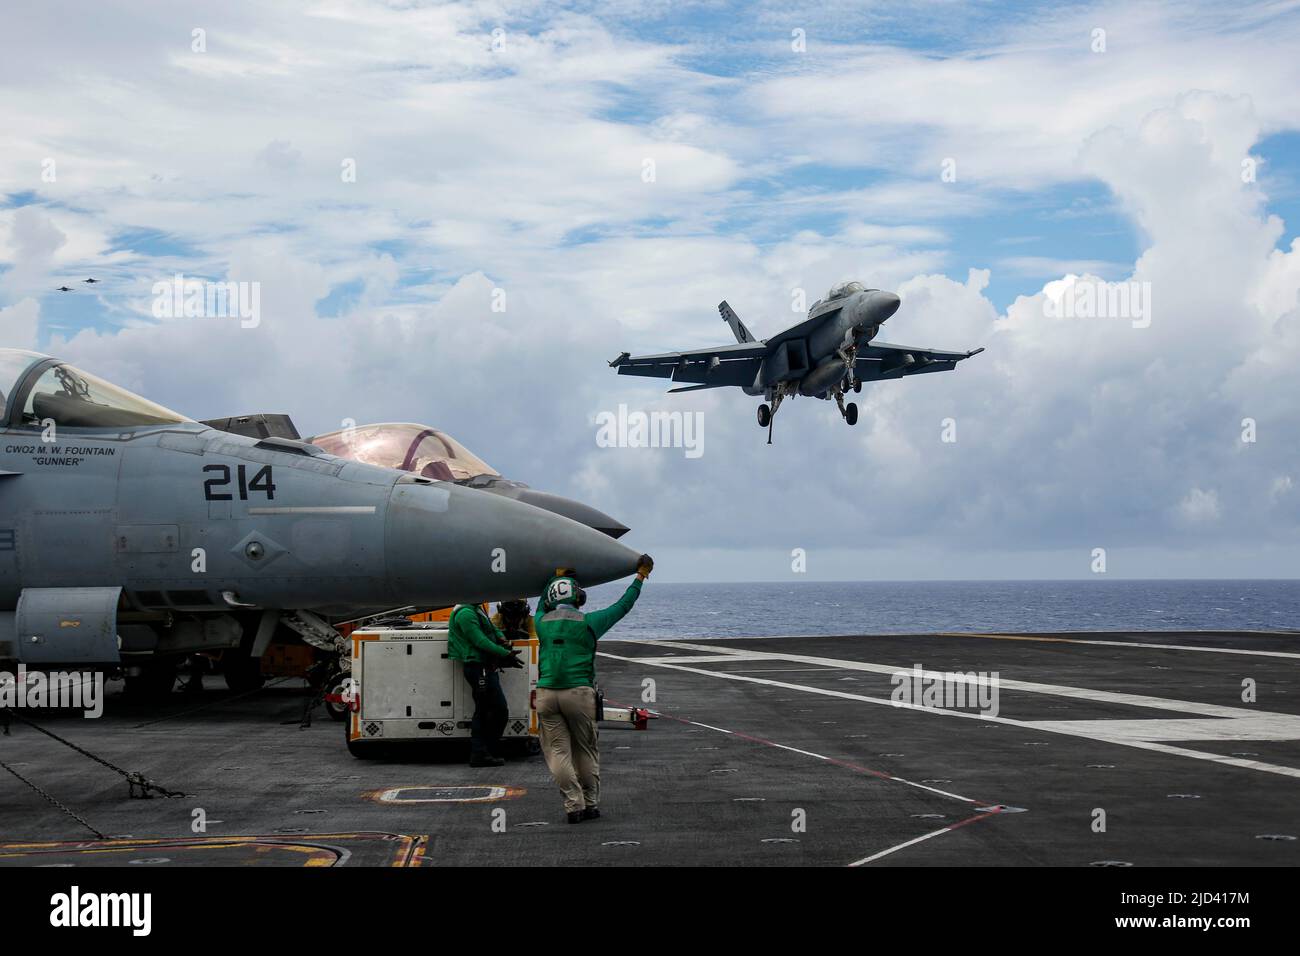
x,y
470,637
567,640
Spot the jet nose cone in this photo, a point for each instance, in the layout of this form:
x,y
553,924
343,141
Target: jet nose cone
x,y
446,544
884,304
583,514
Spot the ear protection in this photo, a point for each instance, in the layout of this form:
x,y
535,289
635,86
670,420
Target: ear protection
x,y
565,589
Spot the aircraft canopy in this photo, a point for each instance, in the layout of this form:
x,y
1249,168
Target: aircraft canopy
x,y
72,398
845,288
419,449
13,363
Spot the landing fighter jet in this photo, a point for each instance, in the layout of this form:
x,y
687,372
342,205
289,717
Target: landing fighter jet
x,y
131,535
825,355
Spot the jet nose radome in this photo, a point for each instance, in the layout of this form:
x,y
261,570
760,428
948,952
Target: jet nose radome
x,y
583,514
884,304
447,544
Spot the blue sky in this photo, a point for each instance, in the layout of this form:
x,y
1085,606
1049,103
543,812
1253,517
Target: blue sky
x,y
516,166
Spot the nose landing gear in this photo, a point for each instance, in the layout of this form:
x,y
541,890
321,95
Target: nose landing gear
x,y
850,356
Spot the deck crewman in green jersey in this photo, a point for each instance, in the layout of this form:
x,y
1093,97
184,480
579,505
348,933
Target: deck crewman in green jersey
x,y
482,649
566,685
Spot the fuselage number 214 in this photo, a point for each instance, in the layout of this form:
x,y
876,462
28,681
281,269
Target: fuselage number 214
x,y
260,482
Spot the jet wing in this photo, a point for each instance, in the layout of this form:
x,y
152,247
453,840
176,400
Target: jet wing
x,y
880,360
703,368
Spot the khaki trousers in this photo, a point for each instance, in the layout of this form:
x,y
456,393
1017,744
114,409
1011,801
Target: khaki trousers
x,y
568,724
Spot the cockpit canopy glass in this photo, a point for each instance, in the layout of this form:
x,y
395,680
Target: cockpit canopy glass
x,y
72,398
845,288
13,363
420,449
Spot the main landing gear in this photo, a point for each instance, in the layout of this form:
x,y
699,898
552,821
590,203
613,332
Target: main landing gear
x,y
766,414
849,411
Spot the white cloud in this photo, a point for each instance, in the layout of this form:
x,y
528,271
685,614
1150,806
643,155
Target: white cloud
x,y
1199,506
477,170
33,241
18,324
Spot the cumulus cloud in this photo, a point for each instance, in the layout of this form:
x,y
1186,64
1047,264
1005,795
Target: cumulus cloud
x,y
502,241
32,243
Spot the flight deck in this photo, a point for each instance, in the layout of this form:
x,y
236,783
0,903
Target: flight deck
x,y
1104,749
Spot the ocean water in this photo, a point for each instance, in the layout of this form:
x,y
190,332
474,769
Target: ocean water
x,y
909,607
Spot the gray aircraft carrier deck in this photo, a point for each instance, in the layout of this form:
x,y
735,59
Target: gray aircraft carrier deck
x,y
785,751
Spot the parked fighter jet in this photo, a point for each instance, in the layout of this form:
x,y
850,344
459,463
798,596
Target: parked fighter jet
x,y
131,535
423,450
825,355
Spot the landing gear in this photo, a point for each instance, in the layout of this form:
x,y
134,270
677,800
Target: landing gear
x,y
850,356
152,682
767,414
337,711
243,672
849,411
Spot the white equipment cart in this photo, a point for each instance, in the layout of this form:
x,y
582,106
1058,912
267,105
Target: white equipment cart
x,y
404,689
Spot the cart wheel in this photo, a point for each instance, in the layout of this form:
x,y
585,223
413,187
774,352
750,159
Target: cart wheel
x,y
534,747
360,748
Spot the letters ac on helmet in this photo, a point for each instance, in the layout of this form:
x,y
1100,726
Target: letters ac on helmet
x,y
565,590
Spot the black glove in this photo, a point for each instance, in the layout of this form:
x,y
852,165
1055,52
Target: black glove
x,y
645,564
512,660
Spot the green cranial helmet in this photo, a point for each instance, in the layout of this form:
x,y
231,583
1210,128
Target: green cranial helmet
x,y
564,590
